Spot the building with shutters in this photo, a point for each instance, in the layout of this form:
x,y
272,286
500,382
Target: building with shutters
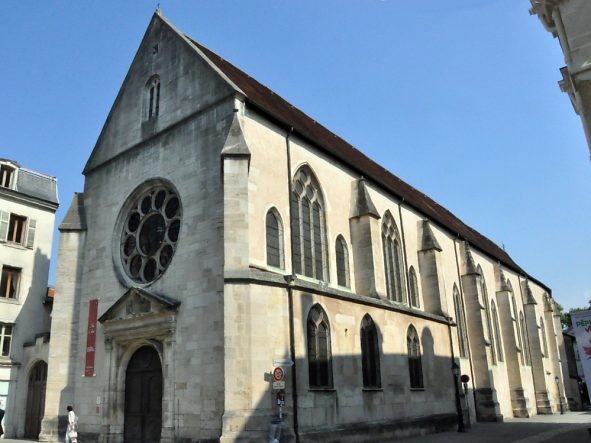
x,y
28,202
222,232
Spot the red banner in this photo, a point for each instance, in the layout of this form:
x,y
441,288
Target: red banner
x,y
91,338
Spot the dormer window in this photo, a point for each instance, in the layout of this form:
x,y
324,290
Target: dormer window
x,y
152,99
7,175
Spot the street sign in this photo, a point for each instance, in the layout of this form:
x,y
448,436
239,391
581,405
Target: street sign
x,y
278,374
283,362
277,385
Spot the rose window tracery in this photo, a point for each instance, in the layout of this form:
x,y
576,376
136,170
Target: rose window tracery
x,y
150,233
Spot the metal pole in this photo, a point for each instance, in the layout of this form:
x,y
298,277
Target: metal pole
x,y
455,369
466,399
559,396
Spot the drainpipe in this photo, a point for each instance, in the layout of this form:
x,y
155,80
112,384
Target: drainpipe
x,y
290,281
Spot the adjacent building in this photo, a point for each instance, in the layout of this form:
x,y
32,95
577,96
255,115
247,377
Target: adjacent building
x,y
568,20
574,379
222,234
28,201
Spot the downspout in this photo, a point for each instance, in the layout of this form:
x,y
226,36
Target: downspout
x,y
464,314
290,281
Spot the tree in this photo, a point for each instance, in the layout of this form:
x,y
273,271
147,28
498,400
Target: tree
x,y
565,317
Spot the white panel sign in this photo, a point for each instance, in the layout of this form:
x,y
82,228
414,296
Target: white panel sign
x,y
582,329
278,385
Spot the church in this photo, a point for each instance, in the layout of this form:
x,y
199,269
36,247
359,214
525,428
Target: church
x,y
235,272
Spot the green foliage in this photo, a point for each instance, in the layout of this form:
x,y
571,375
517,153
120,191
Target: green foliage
x,y
565,317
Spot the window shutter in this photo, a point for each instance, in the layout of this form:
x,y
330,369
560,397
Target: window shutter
x,y
31,233
4,220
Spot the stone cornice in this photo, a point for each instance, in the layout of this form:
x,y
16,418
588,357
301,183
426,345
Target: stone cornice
x,y
266,278
18,197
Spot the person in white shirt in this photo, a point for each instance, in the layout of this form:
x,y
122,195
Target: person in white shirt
x,y
72,429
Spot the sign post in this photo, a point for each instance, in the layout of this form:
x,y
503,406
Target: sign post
x,y
279,385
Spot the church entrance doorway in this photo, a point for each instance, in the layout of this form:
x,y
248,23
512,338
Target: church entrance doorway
x,y
35,400
143,397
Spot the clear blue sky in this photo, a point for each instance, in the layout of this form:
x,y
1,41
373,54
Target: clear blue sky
x,y
460,99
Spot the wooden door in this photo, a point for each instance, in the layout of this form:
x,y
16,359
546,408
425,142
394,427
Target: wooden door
x,y
35,400
143,397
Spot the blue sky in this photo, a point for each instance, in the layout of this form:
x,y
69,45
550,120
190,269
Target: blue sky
x,y
460,99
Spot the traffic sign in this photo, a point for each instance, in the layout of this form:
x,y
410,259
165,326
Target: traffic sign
x,y
278,385
278,374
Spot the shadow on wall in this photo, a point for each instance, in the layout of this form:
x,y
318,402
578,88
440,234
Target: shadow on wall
x,y
348,411
29,345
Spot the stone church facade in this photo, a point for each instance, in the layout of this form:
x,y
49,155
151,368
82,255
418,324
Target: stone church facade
x,y
222,233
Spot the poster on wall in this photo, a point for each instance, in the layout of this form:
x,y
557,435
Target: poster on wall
x,y
582,330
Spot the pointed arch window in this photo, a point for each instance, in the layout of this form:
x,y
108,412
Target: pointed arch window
x,y
461,323
342,257
152,98
370,354
415,367
497,333
319,351
274,237
520,347
414,288
393,265
525,350
544,339
309,228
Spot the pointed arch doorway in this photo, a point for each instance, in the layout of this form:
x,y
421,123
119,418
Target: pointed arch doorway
x,y
35,399
143,397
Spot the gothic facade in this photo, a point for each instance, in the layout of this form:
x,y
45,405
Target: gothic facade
x,y
222,233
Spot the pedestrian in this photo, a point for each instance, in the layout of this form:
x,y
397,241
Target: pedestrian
x,y
1,418
72,429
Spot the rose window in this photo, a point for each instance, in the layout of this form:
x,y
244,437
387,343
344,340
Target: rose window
x,y
150,234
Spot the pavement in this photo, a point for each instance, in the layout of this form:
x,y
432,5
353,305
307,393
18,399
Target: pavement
x,y
572,427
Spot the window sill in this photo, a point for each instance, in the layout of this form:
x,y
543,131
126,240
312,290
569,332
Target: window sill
x,y
373,390
320,390
14,301
417,389
5,359
15,245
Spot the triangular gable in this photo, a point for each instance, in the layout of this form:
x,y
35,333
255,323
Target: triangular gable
x,y
136,302
161,48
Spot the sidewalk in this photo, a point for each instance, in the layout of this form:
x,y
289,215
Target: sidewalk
x,y
568,428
